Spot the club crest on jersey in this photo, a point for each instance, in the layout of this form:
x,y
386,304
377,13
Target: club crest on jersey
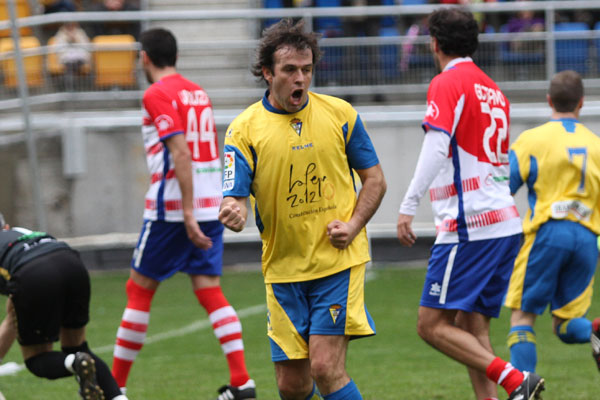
x,y
335,311
164,122
433,110
296,125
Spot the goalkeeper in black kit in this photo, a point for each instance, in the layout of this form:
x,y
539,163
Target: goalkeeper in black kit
x,y
49,294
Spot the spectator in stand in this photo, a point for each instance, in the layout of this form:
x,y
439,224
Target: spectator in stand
x,y
73,53
115,27
53,6
524,21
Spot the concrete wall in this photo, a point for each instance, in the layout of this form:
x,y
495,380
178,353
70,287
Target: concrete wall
x,y
108,197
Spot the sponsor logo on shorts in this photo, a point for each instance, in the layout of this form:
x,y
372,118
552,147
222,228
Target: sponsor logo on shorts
x,y
335,310
435,289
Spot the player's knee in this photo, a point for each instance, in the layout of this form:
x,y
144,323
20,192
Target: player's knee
x,y
40,367
325,370
294,389
425,331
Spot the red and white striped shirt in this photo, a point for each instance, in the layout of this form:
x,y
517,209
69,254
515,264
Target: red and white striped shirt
x,y
173,106
469,189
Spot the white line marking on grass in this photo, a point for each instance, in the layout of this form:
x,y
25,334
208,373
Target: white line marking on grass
x,y
193,327
159,337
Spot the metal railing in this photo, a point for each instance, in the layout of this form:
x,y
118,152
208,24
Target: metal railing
x,y
397,65
385,65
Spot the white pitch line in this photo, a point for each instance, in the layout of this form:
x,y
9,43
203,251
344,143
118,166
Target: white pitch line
x,y
193,327
15,368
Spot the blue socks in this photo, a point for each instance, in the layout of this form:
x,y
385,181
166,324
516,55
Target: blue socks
x,y
576,330
348,392
523,353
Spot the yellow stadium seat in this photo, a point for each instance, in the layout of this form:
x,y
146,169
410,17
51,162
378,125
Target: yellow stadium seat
x,y
114,67
53,65
33,64
23,10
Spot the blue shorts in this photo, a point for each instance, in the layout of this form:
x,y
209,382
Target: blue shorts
x,y
555,266
164,249
333,305
470,276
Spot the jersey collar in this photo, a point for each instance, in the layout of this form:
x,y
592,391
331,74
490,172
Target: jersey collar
x,y
455,61
269,106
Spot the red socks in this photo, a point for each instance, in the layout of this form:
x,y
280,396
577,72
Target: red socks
x,y
132,331
504,374
227,329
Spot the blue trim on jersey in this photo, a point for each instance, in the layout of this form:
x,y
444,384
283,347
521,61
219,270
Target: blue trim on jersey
x,y
164,138
269,107
254,159
345,132
257,219
359,149
463,234
531,179
435,128
243,175
515,174
160,197
568,123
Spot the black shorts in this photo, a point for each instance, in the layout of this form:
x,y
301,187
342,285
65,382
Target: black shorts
x,y
50,292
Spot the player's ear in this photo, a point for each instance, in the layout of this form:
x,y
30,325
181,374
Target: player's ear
x,y
267,74
144,57
549,100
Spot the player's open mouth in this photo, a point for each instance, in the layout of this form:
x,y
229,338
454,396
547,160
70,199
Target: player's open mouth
x,y
297,94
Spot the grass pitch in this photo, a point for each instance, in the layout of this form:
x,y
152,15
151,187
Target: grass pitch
x,y
182,358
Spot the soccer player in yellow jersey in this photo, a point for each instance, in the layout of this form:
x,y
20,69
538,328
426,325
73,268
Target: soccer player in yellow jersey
x,y
560,164
293,153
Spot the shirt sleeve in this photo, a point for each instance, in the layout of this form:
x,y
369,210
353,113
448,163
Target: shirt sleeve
x,y
163,113
359,148
442,100
519,166
239,161
434,153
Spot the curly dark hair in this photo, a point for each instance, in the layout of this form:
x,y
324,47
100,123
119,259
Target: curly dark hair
x,y
456,31
566,90
284,33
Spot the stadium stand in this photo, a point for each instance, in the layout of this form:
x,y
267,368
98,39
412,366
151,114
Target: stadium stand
x,y
114,66
572,53
23,10
34,68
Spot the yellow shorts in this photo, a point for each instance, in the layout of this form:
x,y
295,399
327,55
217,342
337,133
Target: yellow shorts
x,y
333,305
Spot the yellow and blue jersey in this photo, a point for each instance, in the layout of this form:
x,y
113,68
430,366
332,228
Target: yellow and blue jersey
x,y
560,164
298,170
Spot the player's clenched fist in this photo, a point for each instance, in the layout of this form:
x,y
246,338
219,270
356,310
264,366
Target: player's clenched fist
x,y
231,216
340,234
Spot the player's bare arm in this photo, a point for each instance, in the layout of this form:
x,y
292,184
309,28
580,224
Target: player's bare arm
x,y
182,160
233,213
404,227
340,233
8,329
